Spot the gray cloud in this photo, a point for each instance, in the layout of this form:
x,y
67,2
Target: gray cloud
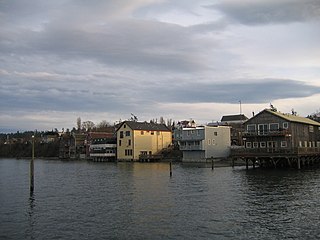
x,y
254,91
120,56
270,11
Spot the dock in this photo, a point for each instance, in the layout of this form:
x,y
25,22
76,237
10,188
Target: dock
x,y
278,158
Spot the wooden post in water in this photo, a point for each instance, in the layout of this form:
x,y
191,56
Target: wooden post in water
x,y
32,168
212,164
299,167
247,164
170,168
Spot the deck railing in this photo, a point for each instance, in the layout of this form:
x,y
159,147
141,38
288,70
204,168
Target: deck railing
x,y
275,151
284,132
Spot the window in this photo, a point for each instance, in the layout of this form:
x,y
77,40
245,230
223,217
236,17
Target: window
x,y
255,144
285,125
215,133
311,129
213,142
262,144
124,126
120,143
129,142
283,144
274,126
263,129
127,133
209,141
192,131
248,145
251,128
152,133
272,144
128,152
198,132
121,134
300,144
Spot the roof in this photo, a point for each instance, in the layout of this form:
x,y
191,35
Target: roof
x,y
230,118
146,126
94,135
292,118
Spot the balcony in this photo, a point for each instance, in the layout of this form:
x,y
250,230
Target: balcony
x,y
271,133
191,147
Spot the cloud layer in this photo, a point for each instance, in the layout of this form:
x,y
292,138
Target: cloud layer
x,y
111,58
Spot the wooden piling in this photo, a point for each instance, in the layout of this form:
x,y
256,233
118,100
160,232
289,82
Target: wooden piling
x,y
32,168
299,166
247,164
212,164
170,168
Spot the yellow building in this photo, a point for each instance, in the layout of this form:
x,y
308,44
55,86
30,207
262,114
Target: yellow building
x,y
141,138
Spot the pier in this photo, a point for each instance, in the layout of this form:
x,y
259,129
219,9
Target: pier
x,y
278,158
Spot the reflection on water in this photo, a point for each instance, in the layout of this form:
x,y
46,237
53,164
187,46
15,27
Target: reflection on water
x,y
84,200
29,231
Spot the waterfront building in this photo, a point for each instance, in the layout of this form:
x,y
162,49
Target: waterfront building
x,y
137,140
177,131
237,128
103,149
274,138
72,146
199,144
66,141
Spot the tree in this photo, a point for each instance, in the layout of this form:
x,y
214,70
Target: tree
x,y
78,123
162,120
315,116
88,125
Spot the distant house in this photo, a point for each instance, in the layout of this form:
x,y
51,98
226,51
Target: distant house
x,y
136,139
66,141
273,135
237,128
204,142
49,137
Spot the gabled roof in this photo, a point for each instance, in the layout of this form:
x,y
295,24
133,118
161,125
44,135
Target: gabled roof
x,y
230,118
145,126
290,117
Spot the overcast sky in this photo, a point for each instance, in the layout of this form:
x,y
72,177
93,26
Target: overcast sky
x,y
180,59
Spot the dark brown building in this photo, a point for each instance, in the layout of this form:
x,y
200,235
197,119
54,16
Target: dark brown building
x,y
273,137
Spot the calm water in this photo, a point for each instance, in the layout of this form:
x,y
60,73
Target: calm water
x,y
83,200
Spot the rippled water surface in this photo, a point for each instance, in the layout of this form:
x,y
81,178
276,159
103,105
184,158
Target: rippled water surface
x,y
83,200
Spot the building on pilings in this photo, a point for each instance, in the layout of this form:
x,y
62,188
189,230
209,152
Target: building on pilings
x,y
275,139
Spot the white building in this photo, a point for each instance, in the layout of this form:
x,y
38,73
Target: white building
x,y
199,144
103,149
